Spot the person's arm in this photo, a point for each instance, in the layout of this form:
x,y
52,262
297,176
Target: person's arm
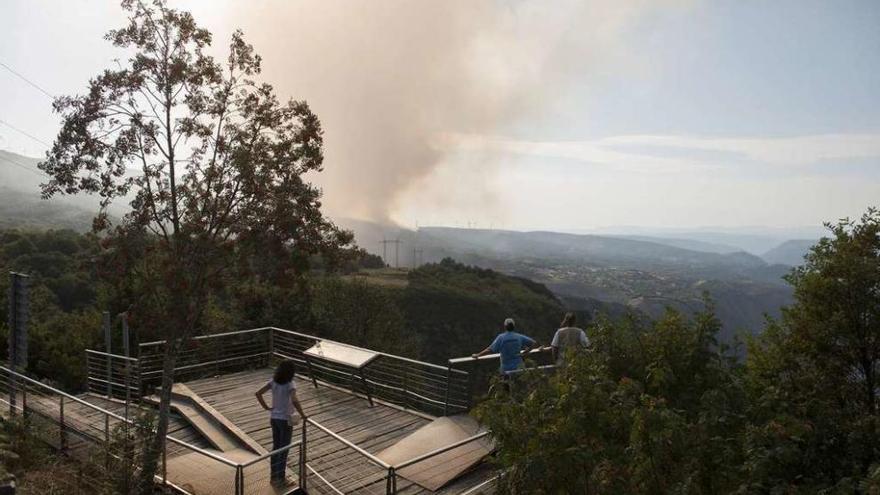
x,y
554,345
527,345
295,400
260,399
494,347
485,351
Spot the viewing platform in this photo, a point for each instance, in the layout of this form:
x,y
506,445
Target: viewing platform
x,y
377,423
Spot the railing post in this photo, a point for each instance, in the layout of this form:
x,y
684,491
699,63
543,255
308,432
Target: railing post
x,y
470,388
13,391
62,437
24,400
391,482
271,353
406,387
239,480
109,349
303,473
107,440
165,462
448,378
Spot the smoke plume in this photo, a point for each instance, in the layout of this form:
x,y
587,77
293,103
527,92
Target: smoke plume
x,y
390,78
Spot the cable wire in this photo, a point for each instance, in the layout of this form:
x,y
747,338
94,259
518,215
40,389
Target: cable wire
x,y
33,84
24,133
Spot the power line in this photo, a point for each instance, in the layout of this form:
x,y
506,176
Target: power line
x,y
23,133
35,85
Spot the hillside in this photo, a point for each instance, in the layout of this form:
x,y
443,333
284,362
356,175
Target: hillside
x,y
683,243
790,253
21,205
457,310
613,273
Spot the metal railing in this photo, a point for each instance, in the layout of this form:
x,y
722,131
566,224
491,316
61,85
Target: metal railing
x,y
336,462
208,355
89,432
428,388
482,370
319,455
414,385
112,375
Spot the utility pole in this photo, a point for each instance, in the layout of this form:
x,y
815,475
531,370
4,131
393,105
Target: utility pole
x,y
416,258
385,243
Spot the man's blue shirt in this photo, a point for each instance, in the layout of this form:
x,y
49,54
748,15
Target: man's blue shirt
x,y
509,345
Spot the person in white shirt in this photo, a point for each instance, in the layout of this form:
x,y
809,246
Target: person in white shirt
x,y
568,337
281,417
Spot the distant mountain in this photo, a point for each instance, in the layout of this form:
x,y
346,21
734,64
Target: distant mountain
x,y
691,244
21,205
755,240
790,253
20,210
594,250
603,273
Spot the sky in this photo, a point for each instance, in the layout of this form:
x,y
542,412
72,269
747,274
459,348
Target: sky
x,y
525,114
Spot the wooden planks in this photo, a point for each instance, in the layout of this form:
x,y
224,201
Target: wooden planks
x,y
435,472
371,428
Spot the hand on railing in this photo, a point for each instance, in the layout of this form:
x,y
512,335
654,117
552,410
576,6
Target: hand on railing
x,y
475,357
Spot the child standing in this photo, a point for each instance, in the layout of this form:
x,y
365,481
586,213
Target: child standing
x,y
281,417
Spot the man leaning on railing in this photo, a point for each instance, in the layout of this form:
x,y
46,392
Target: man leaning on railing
x,y
511,346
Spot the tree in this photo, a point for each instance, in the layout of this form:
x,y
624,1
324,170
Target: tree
x,y
651,408
362,314
813,375
211,164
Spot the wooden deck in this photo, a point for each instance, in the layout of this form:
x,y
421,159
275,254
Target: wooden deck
x,y
371,428
349,416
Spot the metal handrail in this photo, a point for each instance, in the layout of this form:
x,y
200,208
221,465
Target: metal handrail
x,y
111,414
270,454
441,450
210,336
112,356
394,356
469,359
218,458
375,460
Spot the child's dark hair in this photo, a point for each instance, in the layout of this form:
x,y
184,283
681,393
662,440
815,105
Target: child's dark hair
x,y
284,372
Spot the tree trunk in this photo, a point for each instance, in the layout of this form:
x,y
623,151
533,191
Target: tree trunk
x,y
154,448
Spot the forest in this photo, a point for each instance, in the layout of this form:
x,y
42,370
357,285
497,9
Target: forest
x,y
655,406
219,228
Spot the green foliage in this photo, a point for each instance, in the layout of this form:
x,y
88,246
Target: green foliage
x,y
362,314
660,407
813,376
654,408
63,319
457,310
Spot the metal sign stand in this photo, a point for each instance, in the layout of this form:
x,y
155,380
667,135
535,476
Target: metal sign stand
x,y
18,318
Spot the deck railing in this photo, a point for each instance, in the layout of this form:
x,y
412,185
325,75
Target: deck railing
x,y
417,386
414,385
112,375
89,433
428,388
75,429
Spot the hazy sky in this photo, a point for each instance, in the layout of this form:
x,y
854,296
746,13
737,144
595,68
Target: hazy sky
x,y
534,114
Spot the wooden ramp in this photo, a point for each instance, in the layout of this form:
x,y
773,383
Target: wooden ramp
x,y
199,476
221,433
435,472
